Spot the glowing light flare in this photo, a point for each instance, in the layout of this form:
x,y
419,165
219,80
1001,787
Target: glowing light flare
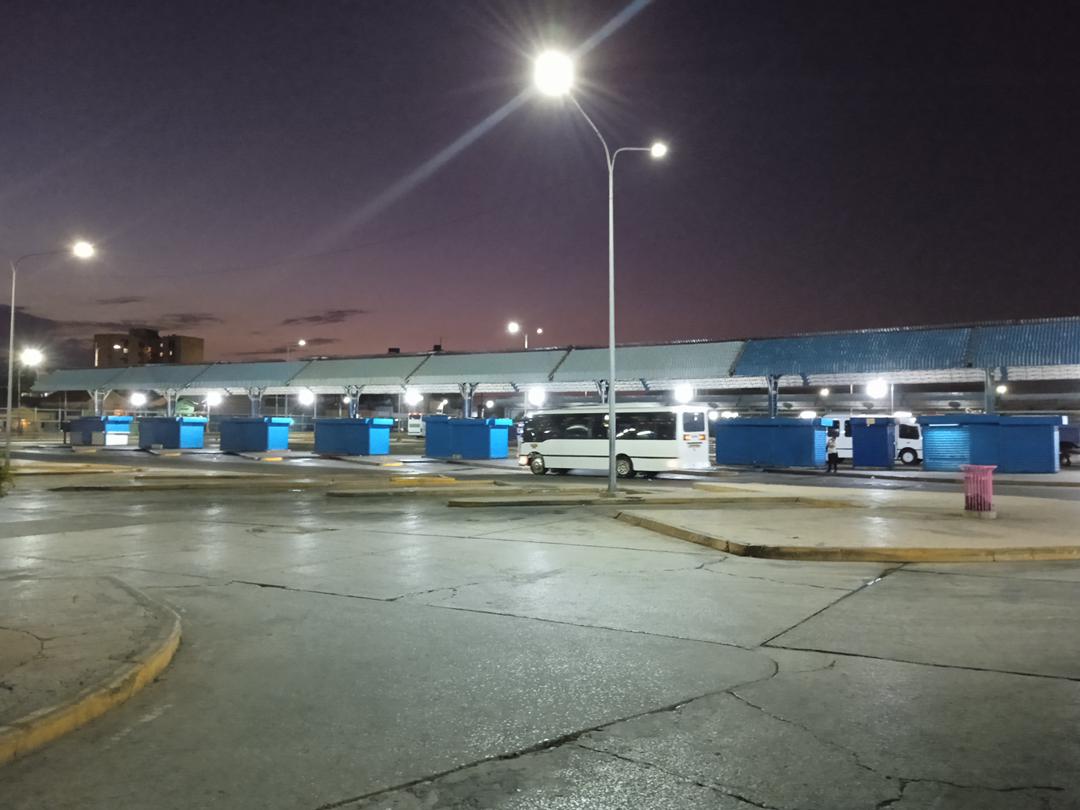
x,y
1002,389
83,250
683,393
537,396
413,397
824,392
658,150
553,73
31,357
305,397
137,399
808,414
877,388
214,398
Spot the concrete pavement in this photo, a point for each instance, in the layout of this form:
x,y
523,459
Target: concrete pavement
x,y
395,653
71,648
809,523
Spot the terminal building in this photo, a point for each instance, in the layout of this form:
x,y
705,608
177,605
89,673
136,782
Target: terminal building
x,y
1029,366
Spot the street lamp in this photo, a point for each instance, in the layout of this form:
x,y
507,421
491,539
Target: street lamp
x,y
213,399
515,328
288,347
28,358
553,75
80,250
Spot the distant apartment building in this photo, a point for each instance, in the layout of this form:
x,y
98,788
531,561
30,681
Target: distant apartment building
x,y
140,347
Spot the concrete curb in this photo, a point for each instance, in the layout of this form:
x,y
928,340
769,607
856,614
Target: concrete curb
x,y
854,554
888,476
45,725
645,499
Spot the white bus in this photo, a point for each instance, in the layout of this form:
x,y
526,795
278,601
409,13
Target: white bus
x,y
414,424
651,439
909,447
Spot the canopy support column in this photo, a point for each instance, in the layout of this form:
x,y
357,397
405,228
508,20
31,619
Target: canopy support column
x,y
353,393
467,391
255,395
773,383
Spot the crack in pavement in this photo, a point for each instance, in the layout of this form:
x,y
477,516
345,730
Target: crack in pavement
x,y
902,780
776,581
549,744
724,790
905,782
964,667
835,602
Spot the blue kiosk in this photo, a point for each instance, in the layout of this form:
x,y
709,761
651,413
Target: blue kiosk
x,y
765,442
107,431
466,438
353,437
1014,444
172,432
255,434
873,442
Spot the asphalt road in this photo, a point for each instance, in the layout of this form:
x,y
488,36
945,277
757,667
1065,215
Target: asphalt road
x,y
314,467
394,653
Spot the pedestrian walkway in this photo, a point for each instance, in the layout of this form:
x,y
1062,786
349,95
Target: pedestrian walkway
x,y
869,525
71,648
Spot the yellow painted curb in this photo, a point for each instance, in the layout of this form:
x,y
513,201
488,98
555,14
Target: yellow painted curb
x,y
45,725
423,480
911,554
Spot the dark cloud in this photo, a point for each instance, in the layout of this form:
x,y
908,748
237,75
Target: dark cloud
x,y
122,299
311,343
186,320
330,316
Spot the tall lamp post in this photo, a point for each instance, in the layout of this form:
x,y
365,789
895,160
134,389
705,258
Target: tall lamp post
x,y
80,250
553,74
514,328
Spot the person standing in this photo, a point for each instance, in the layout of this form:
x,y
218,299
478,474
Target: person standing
x,y
833,452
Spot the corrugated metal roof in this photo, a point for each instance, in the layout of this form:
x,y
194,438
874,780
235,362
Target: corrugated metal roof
x,y
387,370
156,378
248,375
495,367
1051,342
76,379
869,351
682,361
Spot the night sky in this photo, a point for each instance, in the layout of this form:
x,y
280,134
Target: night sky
x,y
248,169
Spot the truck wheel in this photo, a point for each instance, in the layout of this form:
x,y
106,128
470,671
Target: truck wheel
x,y
909,456
536,465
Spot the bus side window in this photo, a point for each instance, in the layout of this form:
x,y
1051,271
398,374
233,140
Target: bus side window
x,y
847,428
909,432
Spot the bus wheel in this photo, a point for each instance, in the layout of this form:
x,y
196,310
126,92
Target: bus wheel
x,y
536,465
908,456
624,467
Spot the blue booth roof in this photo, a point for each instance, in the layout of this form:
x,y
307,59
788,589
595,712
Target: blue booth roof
x,y
990,419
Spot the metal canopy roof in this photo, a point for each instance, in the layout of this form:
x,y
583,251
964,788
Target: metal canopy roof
x,y
669,362
868,351
386,370
246,375
156,378
495,367
1035,349
77,379
1050,342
